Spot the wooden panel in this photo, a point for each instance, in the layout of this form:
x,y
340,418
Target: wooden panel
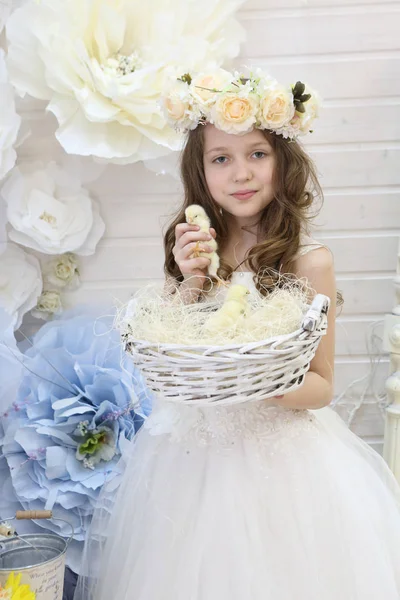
x,y
354,373
124,259
363,123
106,294
268,4
351,166
359,29
355,338
133,179
366,296
369,420
360,210
334,76
363,254
139,217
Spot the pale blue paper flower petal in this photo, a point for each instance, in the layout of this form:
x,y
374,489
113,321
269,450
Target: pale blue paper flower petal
x,y
89,380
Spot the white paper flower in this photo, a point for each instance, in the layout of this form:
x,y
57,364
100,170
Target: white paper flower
x,y
102,65
10,121
61,271
5,9
48,305
51,213
3,223
20,282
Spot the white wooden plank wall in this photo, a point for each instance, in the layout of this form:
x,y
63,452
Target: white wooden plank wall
x,y
349,51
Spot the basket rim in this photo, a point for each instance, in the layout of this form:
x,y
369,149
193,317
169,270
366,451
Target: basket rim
x,y
215,348
239,347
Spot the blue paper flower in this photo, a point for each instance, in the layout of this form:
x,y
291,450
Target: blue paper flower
x,y
79,404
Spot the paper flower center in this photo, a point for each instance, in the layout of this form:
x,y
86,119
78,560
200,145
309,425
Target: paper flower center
x,y
50,219
122,65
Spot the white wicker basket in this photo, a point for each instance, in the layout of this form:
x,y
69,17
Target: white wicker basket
x,y
222,375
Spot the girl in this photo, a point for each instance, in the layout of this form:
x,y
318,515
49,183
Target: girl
x,y
269,500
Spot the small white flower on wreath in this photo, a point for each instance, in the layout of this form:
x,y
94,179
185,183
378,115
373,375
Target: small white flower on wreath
x,y
10,121
51,213
20,282
236,103
101,66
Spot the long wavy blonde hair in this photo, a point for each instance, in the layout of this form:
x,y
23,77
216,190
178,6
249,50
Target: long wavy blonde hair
x,y
281,224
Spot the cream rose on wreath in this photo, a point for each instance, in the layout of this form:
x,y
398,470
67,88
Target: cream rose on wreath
x,y
306,111
205,87
49,214
234,113
312,107
101,66
176,105
20,282
276,108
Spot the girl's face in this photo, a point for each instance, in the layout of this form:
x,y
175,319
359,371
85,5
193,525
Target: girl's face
x,y
239,171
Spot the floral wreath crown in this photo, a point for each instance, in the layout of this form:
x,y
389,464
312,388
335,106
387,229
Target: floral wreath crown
x,y
237,104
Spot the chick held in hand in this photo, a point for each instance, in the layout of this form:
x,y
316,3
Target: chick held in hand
x,y
231,313
196,215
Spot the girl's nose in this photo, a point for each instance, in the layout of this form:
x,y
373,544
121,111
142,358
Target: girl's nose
x,y
242,172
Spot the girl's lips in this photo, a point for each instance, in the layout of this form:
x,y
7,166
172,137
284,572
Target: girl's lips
x,y
244,195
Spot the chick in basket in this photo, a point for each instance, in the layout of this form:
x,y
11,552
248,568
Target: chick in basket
x,y
231,312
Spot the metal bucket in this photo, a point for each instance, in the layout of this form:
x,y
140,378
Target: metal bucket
x,y
40,558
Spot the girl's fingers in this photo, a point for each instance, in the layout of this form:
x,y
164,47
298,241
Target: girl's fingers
x,y
188,250
189,266
213,232
183,228
192,236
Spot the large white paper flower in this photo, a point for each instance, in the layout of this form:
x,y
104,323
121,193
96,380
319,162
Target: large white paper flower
x,y
20,282
101,65
51,212
5,9
3,223
10,121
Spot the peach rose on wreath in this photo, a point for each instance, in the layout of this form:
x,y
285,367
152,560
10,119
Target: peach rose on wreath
x,y
276,108
234,113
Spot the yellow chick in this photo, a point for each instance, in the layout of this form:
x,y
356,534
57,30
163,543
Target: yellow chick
x,y
231,312
196,215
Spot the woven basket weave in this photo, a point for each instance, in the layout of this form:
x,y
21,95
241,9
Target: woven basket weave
x,y
205,375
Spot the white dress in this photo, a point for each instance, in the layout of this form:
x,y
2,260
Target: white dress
x,y
249,502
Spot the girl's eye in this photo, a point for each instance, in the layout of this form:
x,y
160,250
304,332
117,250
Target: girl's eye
x,y
258,153
220,160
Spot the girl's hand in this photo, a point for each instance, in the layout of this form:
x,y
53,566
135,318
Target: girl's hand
x,y
188,239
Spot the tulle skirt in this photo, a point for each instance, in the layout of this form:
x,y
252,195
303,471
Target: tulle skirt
x,y
250,502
